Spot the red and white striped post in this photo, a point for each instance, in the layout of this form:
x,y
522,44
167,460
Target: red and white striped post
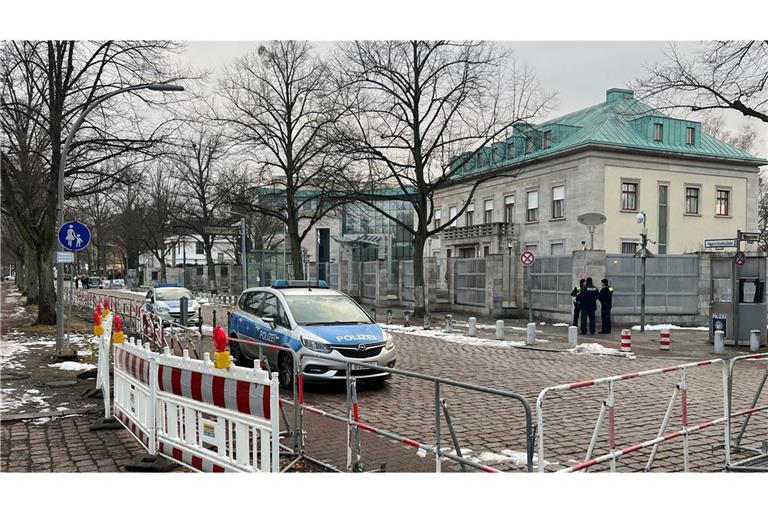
x,y
664,340
626,340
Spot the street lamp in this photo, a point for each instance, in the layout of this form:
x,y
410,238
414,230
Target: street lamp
x,y
243,255
60,204
641,218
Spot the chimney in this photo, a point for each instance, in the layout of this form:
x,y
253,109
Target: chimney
x,y
613,95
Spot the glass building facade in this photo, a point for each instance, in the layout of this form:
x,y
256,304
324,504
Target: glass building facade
x,y
359,218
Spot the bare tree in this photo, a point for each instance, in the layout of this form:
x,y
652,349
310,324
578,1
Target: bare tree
x,y
722,75
414,107
745,139
197,166
46,85
280,106
159,206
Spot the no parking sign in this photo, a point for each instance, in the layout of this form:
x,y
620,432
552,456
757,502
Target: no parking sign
x,y
527,258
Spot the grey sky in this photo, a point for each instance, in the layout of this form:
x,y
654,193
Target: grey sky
x,y
579,71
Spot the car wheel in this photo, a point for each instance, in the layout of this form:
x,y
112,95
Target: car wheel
x,y
285,369
236,352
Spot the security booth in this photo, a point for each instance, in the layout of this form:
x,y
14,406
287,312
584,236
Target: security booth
x,y
738,302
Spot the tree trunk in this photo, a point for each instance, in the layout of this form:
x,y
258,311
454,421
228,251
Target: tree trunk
x,y
419,292
296,261
30,286
46,311
208,246
163,273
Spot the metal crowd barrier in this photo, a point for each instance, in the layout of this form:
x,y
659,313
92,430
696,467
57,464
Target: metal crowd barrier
x,y
759,459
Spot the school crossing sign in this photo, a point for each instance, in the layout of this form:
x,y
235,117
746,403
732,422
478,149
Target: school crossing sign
x,y
74,236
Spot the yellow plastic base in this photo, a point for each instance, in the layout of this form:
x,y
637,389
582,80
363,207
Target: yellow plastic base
x,y
118,337
104,312
98,330
221,359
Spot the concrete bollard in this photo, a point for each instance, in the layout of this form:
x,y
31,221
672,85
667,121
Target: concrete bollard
x,y
427,321
530,337
472,324
448,324
754,340
389,316
573,336
665,340
626,340
499,329
407,315
719,342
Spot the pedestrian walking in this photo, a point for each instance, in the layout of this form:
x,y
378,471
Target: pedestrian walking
x,y
606,303
587,298
576,306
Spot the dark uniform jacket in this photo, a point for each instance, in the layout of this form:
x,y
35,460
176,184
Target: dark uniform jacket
x,y
587,297
606,296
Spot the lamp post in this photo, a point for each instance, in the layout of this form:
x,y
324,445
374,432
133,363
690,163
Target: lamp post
x,y
243,254
641,219
60,342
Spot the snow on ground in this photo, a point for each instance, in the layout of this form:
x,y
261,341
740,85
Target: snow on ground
x,y
561,325
13,399
452,337
504,456
492,327
658,327
73,366
598,349
16,343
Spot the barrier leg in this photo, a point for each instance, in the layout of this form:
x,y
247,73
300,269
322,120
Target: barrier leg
x,y
595,433
437,427
610,405
684,396
727,409
663,428
759,391
108,422
454,438
358,465
349,417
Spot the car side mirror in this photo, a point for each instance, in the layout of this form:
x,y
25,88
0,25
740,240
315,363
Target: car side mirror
x,y
269,320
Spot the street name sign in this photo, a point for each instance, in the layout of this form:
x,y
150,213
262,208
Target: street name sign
x,y
719,243
65,257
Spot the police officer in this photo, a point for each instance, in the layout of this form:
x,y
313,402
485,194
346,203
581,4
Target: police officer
x,y
587,299
576,305
606,302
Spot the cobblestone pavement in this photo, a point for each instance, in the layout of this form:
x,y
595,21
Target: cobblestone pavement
x,y
491,429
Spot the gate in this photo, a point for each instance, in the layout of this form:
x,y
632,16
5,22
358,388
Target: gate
x,y
369,279
469,276
551,283
407,281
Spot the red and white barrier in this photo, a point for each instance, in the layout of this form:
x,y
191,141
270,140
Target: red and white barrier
x,y
664,340
626,340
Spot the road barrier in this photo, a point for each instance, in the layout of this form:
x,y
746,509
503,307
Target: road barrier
x,y
626,340
759,459
207,419
608,408
664,340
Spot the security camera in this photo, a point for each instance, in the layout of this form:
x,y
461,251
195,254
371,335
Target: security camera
x,y
640,217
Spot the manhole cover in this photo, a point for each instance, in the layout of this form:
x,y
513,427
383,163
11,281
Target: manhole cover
x,y
62,383
13,376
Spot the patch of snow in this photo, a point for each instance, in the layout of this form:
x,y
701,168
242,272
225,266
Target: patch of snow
x,y
658,327
451,337
542,323
561,325
73,366
598,349
12,400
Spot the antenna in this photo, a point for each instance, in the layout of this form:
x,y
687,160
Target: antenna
x,y
591,220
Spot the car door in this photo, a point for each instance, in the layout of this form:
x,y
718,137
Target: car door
x,y
249,323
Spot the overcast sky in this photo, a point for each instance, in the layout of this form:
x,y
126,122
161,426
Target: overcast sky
x,y
579,71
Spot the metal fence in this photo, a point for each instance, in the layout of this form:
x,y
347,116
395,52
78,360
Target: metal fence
x,y
333,276
469,275
551,284
407,280
671,283
369,279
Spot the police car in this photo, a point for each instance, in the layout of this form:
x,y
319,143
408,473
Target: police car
x,y
164,300
312,320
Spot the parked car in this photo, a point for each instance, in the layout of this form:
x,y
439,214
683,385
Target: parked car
x,y
95,282
164,300
310,319
117,284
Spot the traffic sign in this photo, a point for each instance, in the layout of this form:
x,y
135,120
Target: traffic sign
x,y
74,236
739,259
527,258
719,243
750,237
65,257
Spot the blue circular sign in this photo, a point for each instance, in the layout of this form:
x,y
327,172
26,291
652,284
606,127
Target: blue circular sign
x,y
74,236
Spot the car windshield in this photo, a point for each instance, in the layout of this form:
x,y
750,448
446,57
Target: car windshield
x,y
172,293
325,309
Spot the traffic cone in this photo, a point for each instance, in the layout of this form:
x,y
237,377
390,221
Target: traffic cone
x,y
626,340
665,340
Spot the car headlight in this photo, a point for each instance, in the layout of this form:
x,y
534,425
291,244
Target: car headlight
x,y
316,345
162,309
389,343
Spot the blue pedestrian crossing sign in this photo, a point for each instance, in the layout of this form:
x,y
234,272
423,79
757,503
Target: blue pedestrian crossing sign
x,y
74,236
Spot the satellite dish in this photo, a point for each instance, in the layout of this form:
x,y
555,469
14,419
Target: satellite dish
x,y
591,220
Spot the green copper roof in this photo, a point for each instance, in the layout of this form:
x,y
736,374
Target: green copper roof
x,y
620,121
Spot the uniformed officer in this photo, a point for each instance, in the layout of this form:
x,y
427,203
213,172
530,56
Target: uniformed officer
x,y
576,306
606,303
587,299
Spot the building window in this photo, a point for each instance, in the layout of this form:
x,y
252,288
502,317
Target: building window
x,y
658,132
451,214
533,206
628,196
199,248
692,200
528,145
488,211
557,249
509,209
510,150
547,139
690,136
531,247
470,214
486,250
722,207
437,218
663,214
628,247
481,160
558,202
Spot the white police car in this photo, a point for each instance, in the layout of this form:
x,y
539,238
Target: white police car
x,y
164,300
312,320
